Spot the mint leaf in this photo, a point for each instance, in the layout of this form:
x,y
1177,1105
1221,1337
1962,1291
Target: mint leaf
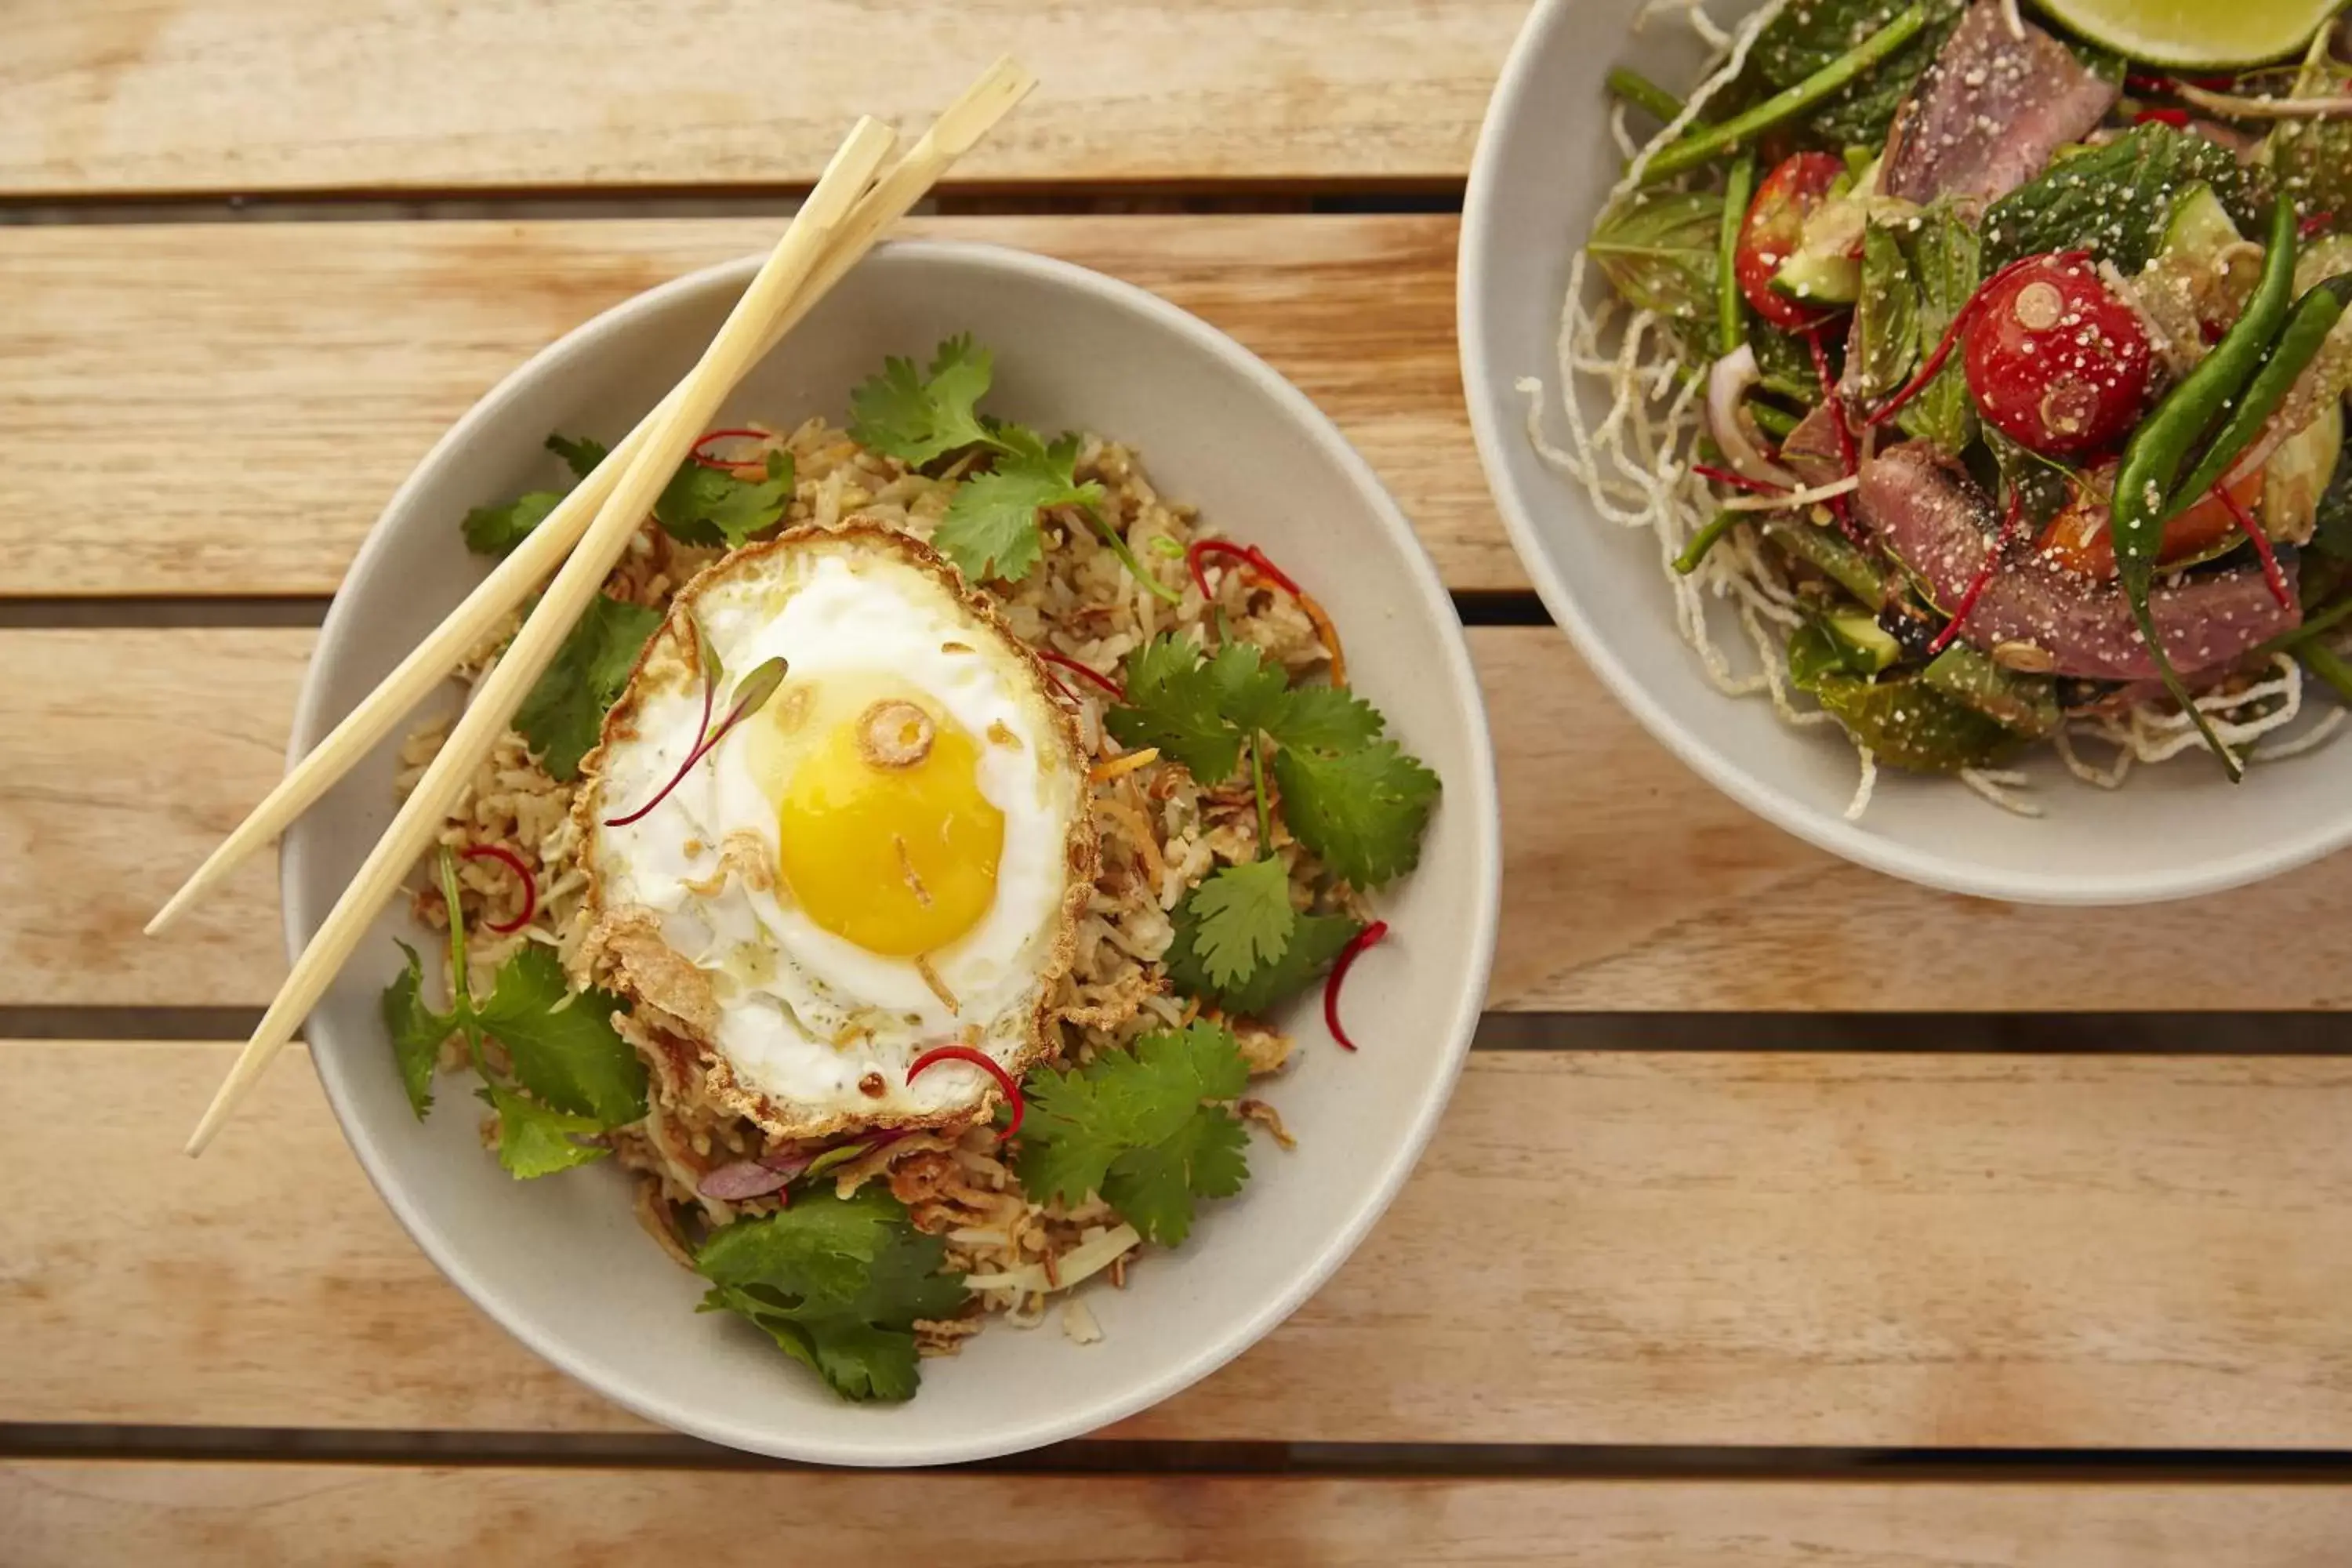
x,y
2114,200
991,529
917,418
838,1283
417,1032
565,710
534,1141
1362,812
1127,1126
562,1044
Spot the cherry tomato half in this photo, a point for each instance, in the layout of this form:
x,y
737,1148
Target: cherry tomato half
x,y
2080,540
1774,224
2055,361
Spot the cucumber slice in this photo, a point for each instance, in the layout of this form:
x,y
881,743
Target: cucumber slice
x,y
2199,226
1863,643
1819,279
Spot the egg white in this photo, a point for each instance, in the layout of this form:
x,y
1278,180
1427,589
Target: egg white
x,y
806,1020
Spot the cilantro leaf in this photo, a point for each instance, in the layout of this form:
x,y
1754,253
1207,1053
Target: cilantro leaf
x,y
990,528
1330,717
1198,709
1315,942
1243,919
1362,812
416,1031
581,453
715,507
562,716
917,418
495,530
534,1141
838,1283
563,1044
1129,1127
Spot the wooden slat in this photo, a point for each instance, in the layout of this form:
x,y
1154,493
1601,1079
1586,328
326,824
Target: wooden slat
x,y
255,1516
254,393
1846,1249
108,97
1629,883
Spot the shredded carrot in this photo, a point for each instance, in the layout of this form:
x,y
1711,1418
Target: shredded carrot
x,y
1120,766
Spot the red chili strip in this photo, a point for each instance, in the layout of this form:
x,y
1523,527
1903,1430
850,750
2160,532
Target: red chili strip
x,y
2261,541
1840,507
2176,118
711,462
987,1064
512,862
1738,482
1934,363
1250,555
1363,938
1977,584
2313,226
1074,667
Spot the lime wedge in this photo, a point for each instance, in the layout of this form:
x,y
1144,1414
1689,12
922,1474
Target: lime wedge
x,y
2200,34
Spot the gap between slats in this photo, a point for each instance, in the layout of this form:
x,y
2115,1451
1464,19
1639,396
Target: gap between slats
x,y
1483,1461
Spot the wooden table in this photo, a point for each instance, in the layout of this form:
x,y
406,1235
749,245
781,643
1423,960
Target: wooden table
x,y
1680,1281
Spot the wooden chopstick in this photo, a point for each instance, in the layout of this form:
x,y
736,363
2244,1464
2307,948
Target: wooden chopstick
x,y
956,133
739,345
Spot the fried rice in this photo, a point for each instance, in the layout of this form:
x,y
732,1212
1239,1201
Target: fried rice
x,y
1160,834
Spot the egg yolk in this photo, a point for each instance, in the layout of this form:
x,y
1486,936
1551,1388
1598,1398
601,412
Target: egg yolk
x,y
886,840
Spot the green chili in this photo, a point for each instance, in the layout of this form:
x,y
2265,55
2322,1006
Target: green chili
x,y
2314,317
1731,329
1706,146
2152,458
1704,540
2326,620
1642,93
2324,662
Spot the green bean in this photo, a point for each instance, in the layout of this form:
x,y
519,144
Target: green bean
x,y
2324,662
1731,329
1642,93
2314,317
2152,458
1704,540
1704,146
2327,619
1774,420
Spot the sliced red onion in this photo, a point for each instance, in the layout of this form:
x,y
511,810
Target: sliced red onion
x,y
742,1179
1728,421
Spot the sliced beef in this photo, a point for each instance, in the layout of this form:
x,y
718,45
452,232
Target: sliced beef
x,y
1925,509
1811,452
1988,114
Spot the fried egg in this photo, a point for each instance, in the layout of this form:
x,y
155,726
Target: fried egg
x,y
890,854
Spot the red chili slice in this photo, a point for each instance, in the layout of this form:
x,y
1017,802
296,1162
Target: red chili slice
x,y
1363,938
723,463
1251,555
1074,667
1738,482
1849,461
987,1064
2176,118
512,862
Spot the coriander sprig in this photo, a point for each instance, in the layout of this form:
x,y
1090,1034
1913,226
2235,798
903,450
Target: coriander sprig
x,y
574,1074
1355,800
991,530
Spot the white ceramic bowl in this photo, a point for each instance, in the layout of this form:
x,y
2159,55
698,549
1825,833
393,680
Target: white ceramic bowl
x,y
1545,160
560,1261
